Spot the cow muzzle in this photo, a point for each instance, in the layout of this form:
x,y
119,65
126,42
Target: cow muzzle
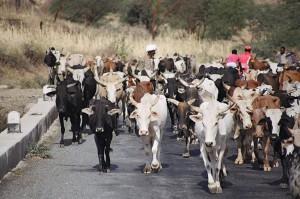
x,y
208,144
143,132
99,130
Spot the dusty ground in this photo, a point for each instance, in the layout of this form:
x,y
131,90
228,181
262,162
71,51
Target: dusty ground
x,y
16,100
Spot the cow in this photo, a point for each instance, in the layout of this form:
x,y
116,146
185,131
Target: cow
x,y
138,92
69,104
170,90
243,99
151,117
288,122
288,75
90,87
247,84
269,79
258,65
108,66
214,123
101,121
166,65
183,100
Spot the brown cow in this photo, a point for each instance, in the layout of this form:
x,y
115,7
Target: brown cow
x,y
261,105
258,65
109,65
288,75
247,84
141,89
266,101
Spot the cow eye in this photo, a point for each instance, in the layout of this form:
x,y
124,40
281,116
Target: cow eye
x,y
118,89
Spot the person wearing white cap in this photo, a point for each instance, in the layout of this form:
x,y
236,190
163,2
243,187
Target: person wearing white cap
x,y
149,62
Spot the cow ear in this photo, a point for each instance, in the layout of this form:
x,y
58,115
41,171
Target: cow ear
x,y
133,115
88,111
196,118
154,116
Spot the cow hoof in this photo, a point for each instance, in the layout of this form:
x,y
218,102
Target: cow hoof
x,y
267,168
80,140
284,185
73,139
61,145
212,188
108,170
239,161
276,164
147,169
186,155
219,189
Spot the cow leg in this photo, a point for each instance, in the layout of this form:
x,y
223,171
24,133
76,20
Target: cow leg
x,y
267,166
100,143
218,169
239,159
84,122
284,179
155,164
147,148
107,150
73,128
172,117
124,109
62,129
207,164
77,128
186,153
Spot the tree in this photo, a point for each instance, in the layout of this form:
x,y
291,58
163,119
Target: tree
x,y
85,11
17,4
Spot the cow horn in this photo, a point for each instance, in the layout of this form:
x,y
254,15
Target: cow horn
x,y
71,70
174,101
114,111
200,82
153,74
136,76
231,106
191,101
195,108
132,101
184,83
227,87
121,80
230,98
99,81
86,69
291,91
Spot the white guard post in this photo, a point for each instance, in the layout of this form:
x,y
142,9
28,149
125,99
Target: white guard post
x,y
13,122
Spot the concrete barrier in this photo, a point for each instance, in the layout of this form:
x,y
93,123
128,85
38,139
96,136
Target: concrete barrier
x,y
14,146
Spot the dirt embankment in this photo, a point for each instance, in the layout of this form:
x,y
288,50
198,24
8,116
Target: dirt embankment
x,y
16,100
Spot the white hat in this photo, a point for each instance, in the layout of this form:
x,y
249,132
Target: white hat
x,y
151,47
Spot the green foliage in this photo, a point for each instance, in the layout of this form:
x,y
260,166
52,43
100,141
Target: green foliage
x,y
84,11
226,18
278,26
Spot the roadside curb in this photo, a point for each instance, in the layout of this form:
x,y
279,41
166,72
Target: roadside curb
x,y
14,146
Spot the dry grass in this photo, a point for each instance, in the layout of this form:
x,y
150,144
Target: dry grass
x,y
113,37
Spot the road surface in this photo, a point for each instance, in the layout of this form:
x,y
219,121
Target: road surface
x,y
71,173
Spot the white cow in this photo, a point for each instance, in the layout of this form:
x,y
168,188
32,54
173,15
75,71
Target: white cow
x,y
151,117
213,125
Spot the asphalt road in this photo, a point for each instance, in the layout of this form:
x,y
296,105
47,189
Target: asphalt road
x,y
72,173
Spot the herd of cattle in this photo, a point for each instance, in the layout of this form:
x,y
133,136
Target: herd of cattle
x,y
207,104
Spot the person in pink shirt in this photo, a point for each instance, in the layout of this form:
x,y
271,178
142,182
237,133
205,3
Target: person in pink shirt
x,y
233,59
244,59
